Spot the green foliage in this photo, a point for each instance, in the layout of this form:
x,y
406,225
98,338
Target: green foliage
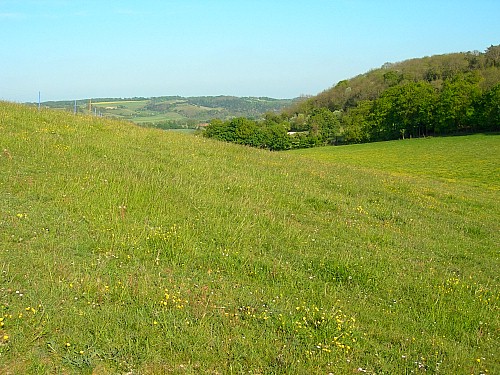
x,y
455,110
492,56
404,110
276,137
355,123
489,109
320,128
268,134
324,126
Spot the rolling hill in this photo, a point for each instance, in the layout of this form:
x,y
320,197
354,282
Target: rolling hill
x,y
174,111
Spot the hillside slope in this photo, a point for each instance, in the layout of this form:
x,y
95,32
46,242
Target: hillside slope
x,y
133,250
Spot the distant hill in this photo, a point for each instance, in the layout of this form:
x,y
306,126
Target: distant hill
x,y
175,111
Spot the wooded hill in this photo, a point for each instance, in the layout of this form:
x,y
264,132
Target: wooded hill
x,y
437,95
440,94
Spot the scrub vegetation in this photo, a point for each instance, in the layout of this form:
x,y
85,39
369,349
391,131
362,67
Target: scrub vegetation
x,y
133,250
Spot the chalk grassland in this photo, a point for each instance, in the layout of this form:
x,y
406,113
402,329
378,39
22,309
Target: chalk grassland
x,y
132,250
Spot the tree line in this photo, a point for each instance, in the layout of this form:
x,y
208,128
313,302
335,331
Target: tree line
x,y
439,95
416,109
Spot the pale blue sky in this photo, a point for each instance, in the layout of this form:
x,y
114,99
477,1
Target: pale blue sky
x,y
71,49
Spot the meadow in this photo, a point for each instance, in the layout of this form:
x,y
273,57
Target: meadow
x,y
129,250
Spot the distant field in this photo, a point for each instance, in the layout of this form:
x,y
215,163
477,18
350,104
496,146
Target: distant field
x,y
160,117
134,110
129,250
131,105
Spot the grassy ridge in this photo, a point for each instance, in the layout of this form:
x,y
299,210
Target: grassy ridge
x,y
135,250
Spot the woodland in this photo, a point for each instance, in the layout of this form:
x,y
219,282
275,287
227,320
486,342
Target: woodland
x,y
448,94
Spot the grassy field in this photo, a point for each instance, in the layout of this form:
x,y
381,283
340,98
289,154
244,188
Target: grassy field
x,y
472,160
139,251
158,117
135,110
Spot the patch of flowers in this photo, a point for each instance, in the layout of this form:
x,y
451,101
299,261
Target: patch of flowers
x,y
10,319
480,293
173,299
318,329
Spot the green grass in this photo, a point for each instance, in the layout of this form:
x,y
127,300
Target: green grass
x,y
133,250
471,159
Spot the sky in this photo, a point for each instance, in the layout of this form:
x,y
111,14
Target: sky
x,y
72,49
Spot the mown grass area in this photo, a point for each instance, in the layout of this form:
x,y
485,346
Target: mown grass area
x,y
133,250
464,159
